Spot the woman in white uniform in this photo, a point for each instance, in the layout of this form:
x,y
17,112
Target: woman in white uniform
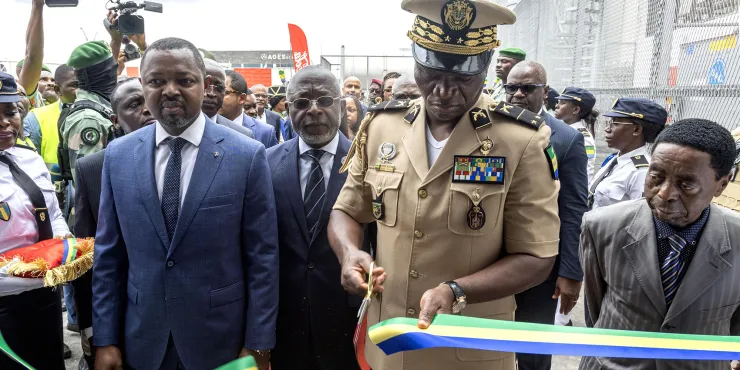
x,y
576,108
632,124
30,315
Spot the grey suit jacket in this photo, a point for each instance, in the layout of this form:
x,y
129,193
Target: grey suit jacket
x,y
221,120
619,255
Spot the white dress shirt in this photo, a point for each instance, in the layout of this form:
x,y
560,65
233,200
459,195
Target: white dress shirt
x,y
263,117
326,162
590,143
625,182
434,147
189,153
21,229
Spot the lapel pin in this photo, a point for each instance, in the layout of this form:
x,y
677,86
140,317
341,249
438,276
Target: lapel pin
x,y
215,154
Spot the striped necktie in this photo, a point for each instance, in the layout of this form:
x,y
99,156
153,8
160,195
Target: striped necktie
x,y
315,192
671,268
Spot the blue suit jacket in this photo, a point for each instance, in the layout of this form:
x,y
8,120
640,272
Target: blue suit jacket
x,y
315,311
275,120
262,131
572,160
214,286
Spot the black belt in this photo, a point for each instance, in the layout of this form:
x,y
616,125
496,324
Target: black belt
x,y
34,193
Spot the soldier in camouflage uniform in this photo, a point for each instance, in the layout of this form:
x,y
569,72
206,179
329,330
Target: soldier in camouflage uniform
x,y
87,127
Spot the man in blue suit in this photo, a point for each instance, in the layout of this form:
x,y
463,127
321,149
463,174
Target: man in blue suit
x,y
265,115
233,109
186,255
316,318
526,87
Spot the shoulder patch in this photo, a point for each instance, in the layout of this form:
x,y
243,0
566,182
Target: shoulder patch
x,y
393,105
640,161
90,136
521,115
479,118
584,131
410,117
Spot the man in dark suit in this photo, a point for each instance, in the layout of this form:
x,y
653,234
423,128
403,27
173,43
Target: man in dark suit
x,y
233,109
214,98
670,262
265,115
316,318
186,255
129,114
527,88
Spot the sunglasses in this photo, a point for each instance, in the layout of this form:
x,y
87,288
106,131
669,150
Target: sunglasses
x,y
215,88
322,102
231,92
526,89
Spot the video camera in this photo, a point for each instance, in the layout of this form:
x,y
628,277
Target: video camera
x,y
129,23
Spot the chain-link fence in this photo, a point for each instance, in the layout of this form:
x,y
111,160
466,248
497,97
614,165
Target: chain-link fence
x,y
682,54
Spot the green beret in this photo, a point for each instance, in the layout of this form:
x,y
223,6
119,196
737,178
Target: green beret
x,y
207,54
43,66
515,53
89,54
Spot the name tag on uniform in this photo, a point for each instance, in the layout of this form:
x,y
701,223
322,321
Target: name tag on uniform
x,y
479,170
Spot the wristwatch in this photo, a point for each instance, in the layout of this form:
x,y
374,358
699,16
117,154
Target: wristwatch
x,y
460,301
262,352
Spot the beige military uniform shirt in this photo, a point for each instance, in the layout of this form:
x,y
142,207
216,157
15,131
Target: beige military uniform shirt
x,y
424,236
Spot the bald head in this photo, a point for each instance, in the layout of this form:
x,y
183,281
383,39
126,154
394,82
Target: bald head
x,y
213,68
533,70
352,86
405,87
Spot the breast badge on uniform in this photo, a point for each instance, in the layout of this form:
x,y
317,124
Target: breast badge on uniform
x,y
4,211
90,136
378,208
479,170
640,161
386,152
552,160
476,215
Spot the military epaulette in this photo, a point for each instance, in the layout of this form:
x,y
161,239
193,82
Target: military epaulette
x,y
640,161
584,131
25,147
411,115
393,105
530,119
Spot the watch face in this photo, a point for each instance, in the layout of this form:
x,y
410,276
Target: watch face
x,y
458,306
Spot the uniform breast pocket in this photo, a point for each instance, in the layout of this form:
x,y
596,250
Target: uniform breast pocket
x,y
474,208
385,188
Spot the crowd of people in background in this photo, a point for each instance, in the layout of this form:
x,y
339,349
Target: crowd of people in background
x,y
235,219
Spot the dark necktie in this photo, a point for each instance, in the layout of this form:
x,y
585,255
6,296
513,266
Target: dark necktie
x,y
171,188
671,268
598,180
34,193
313,198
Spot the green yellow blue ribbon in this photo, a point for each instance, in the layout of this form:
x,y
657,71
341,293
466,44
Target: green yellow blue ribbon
x,y
5,348
402,334
244,363
70,251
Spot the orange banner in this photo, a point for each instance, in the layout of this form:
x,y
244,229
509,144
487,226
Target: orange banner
x,y
300,47
256,76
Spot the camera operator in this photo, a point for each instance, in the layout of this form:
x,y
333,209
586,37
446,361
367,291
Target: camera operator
x,y
117,39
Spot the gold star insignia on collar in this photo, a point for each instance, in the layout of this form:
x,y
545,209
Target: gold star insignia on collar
x,y
460,41
447,38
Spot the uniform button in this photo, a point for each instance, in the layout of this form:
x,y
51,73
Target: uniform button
x,y
423,193
411,312
310,265
303,299
414,274
418,233
170,263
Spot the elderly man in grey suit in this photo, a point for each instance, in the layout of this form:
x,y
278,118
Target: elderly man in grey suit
x,y
214,98
670,262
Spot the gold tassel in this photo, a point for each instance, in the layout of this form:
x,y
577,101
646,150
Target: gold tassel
x,y
69,272
358,145
35,268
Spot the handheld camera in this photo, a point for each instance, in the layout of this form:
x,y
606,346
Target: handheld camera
x,y
129,23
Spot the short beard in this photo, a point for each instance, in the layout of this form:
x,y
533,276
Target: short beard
x,y
318,140
177,122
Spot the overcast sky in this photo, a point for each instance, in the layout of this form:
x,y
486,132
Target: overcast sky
x,y
363,26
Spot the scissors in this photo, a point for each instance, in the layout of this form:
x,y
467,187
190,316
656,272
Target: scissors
x,y
369,296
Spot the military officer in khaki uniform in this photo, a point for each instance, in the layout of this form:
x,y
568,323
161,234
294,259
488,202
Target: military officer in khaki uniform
x,y
463,189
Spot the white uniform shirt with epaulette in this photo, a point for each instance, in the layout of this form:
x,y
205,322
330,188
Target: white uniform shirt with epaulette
x,y
626,181
491,191
18,226
590,143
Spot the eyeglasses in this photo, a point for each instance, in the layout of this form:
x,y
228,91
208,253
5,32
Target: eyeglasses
x,y
260,96
231,92
526,89
217,88
610,123
322,102
406,96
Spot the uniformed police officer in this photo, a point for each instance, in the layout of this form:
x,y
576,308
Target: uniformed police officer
x,y
576,108
454,181
633,124
507,59
87,127
30,315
